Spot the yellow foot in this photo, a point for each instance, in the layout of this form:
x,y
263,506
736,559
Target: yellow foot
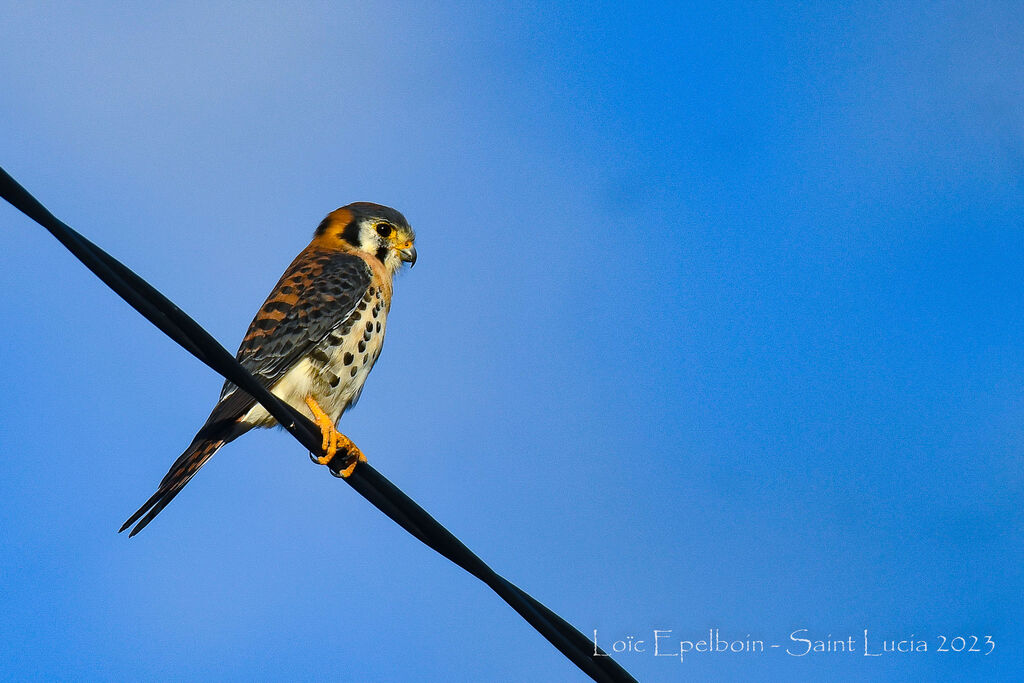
x,y
333,440
354,454
326,425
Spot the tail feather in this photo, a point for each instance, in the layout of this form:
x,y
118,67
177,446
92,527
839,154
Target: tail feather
x,y
183,469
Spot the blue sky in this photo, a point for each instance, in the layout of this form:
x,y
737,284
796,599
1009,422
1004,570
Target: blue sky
x,y
717,324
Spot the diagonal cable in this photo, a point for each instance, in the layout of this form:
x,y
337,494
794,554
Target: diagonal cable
x,y
367,481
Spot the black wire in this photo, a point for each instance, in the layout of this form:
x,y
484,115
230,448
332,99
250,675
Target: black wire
x,y
368,482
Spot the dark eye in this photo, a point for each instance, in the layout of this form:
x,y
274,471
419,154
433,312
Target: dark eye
x,y
383,229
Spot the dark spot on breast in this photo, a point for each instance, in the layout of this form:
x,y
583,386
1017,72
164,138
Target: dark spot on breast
x,y
348,358
362,346
335,380
366,358
378,326
319,356
353,372
369,326
362,305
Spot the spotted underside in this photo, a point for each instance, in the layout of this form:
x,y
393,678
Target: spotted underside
x,y
322,347
312,343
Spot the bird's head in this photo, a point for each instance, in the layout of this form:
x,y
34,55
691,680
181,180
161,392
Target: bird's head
x,y
377,230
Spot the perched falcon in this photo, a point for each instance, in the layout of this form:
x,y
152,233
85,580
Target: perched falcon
x,y
312,343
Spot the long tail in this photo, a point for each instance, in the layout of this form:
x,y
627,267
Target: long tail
x,y
183,469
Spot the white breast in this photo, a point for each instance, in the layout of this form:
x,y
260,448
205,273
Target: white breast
x,y
335,374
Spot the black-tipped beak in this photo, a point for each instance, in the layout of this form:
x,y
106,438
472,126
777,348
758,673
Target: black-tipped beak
x,y
408,255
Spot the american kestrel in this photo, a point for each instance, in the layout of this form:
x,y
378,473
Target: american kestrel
x,y
312,343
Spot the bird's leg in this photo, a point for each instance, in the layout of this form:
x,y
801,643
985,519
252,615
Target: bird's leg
x,y
333,440
330,434
355,456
